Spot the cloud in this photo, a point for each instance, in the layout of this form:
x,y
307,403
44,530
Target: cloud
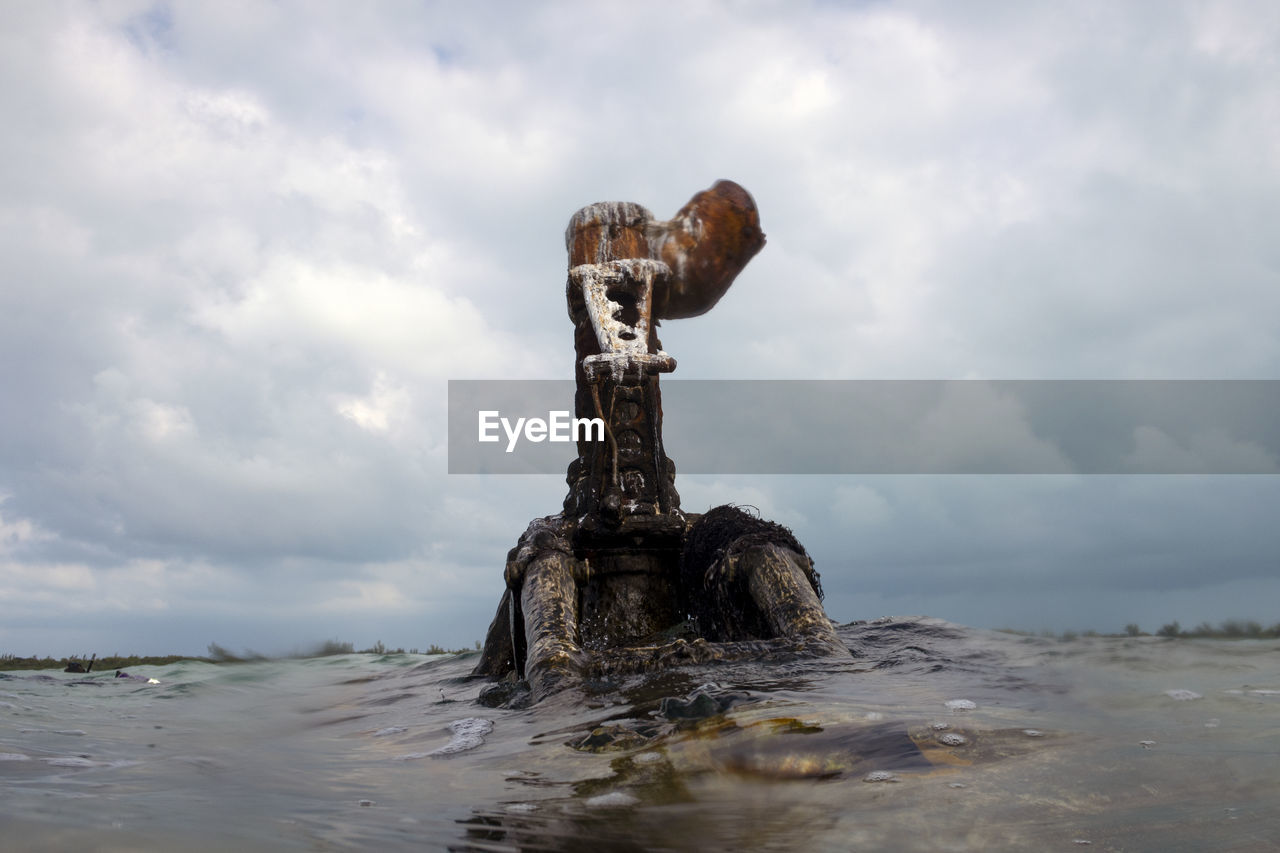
x,y
246,245
860,506
1211,450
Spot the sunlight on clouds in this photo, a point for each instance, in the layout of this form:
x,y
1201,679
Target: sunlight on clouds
x,y
159,421
385,406
374,317
781,89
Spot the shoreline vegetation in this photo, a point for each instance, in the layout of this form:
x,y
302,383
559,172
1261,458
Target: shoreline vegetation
x,y
1231,629
216,654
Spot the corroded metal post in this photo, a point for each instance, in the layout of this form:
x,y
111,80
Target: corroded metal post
x,y
599,587
548,600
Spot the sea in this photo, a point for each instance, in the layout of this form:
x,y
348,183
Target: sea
x,y
927,736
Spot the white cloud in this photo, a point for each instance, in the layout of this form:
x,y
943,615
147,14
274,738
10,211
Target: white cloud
x,y
357,313
385,407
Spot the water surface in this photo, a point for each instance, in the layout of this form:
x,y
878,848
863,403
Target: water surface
x,y
930,736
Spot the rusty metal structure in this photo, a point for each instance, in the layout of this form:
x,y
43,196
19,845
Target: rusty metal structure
x,y
622,580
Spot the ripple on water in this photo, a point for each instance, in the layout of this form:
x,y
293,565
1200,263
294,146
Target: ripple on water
x,y
73,761
1183,695
1012,789
960,705
468,733
615,799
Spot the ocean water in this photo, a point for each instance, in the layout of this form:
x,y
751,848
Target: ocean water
x,y
930,736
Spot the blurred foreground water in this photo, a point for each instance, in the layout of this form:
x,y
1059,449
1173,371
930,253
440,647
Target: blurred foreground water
x,y
931,736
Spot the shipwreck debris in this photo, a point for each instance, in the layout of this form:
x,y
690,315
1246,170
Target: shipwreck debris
x,y
605,586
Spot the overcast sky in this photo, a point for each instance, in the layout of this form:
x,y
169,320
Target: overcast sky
x,y
245,245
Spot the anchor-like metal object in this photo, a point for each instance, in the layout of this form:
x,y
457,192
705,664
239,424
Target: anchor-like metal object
x,y
621,580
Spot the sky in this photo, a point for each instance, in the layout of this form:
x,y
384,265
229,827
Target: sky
x,y
245,246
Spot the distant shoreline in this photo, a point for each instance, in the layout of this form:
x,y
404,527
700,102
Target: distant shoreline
x,y
102,664
217,654
1231,629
